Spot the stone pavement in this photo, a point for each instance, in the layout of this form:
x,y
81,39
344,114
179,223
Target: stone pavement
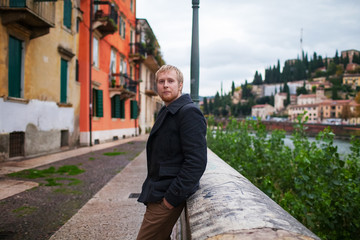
x,y
113,213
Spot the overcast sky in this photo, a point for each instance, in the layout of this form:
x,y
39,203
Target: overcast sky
x,y
238,37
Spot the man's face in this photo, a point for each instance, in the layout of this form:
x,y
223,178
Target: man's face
x,y
168,86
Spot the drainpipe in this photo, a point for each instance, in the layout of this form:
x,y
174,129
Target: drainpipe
x,y
90,68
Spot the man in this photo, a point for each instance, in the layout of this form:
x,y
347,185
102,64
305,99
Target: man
x,y
176,157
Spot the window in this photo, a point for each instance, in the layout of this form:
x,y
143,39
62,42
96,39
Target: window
x,y
122,27
67,13
18,3
97,103
132,35
95,52
78,20
113,61
131,72
117,107
132,5
63,80
16,67
133,109
16,144
77,70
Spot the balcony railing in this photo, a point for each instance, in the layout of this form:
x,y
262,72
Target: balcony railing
x,y
106,23
127,87
137,52
34,15
150,88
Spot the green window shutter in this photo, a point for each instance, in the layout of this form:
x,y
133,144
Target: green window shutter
x,y
115,106
17,3
63,80
133,109
67,13
122,108
99,103
15,59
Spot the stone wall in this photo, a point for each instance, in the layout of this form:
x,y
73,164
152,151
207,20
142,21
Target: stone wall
x,y
228,206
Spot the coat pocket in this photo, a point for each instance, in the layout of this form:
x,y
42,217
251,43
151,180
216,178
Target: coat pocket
x,y
168,172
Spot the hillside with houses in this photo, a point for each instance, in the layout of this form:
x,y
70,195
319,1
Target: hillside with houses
x,y
325,90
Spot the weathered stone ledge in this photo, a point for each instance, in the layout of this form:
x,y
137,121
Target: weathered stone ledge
x,y
228,206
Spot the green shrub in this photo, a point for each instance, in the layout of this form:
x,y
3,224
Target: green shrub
x,y
310,181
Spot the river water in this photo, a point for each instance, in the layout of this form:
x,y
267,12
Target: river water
x,y
343,146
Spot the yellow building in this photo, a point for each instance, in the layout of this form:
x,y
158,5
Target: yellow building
x,y
343,110
311,112
352,79
39,89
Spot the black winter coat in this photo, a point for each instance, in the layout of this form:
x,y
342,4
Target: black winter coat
x,y
176,153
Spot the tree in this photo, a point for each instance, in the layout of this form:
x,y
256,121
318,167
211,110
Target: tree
x,y
232,88
217,103
334,93
331,70
346,112
246,91
257,79
357,108
211,107
301,90
336,58
205,106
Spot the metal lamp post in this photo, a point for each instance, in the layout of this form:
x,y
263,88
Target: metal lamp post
x,y
194,68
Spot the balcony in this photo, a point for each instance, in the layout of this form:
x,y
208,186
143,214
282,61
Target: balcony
x,y
106,23
137,52
126,89
150,88
31,16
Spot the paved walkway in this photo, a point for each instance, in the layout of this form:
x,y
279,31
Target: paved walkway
x,y
113,213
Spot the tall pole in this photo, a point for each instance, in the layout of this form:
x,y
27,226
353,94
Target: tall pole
x,y
194,68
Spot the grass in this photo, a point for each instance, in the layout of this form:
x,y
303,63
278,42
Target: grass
x,y
24,210
69,170
114,153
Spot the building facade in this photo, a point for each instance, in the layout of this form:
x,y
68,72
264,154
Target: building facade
x,y
352,79
309,111
39,85
146,53
109,80
262,111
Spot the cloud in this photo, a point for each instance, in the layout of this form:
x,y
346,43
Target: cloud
x,y
237,38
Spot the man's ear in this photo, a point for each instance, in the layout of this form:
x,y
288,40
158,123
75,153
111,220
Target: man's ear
x,y
180,86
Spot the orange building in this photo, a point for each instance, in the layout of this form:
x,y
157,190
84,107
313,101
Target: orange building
x,y
109,81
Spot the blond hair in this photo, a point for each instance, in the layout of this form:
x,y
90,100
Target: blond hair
x,y
166,68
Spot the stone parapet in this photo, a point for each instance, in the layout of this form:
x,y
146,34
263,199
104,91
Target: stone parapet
x,y
228,206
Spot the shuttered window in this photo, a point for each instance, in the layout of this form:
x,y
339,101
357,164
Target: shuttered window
x,y
98,103
67,13
133,109
15,67
63,80
117,107
17,3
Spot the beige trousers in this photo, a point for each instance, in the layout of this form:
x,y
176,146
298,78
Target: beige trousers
x,y
159,221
